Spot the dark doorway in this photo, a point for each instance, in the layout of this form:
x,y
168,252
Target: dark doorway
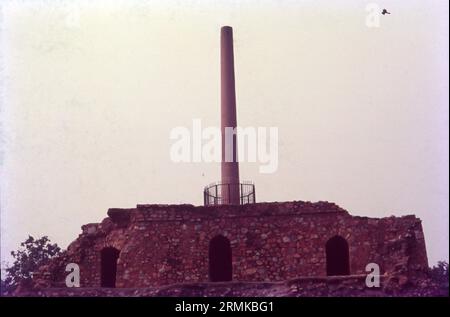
x,y
220,266
337,256
109,258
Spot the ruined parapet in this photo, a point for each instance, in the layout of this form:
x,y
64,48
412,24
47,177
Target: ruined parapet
x,y
166,244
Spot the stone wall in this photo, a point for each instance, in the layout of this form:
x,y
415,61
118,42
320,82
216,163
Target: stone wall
x,y
335,286
167,244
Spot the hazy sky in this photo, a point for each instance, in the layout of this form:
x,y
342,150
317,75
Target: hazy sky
x,y
91,91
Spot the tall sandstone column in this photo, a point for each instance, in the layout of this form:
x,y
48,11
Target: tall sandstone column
x,y
230,169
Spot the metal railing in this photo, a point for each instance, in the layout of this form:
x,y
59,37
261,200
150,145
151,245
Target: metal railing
x,y
222,194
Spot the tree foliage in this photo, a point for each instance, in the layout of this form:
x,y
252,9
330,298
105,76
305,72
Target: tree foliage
x,y
439,273
27,259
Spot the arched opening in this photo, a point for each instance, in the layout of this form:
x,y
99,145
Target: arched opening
x,y
220,266
109,258
338,262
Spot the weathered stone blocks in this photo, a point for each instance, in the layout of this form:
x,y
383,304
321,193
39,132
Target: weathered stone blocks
x,y
167,244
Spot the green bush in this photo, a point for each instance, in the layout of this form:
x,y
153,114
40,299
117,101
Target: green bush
x,y
439,273
27,259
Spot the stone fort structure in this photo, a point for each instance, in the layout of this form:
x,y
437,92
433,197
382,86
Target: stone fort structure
x,y
233,238
155,245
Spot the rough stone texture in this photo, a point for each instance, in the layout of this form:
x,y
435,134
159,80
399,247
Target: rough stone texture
x,y
168,244
348,286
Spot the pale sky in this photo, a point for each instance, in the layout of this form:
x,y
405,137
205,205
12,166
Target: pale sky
x,y
91,91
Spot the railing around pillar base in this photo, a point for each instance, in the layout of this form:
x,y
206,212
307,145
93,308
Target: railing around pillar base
x,y
222,194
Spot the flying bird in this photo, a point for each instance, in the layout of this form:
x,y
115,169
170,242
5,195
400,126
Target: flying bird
x,y
385,12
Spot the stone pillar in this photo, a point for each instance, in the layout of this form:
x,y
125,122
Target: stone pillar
x,y
230,169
